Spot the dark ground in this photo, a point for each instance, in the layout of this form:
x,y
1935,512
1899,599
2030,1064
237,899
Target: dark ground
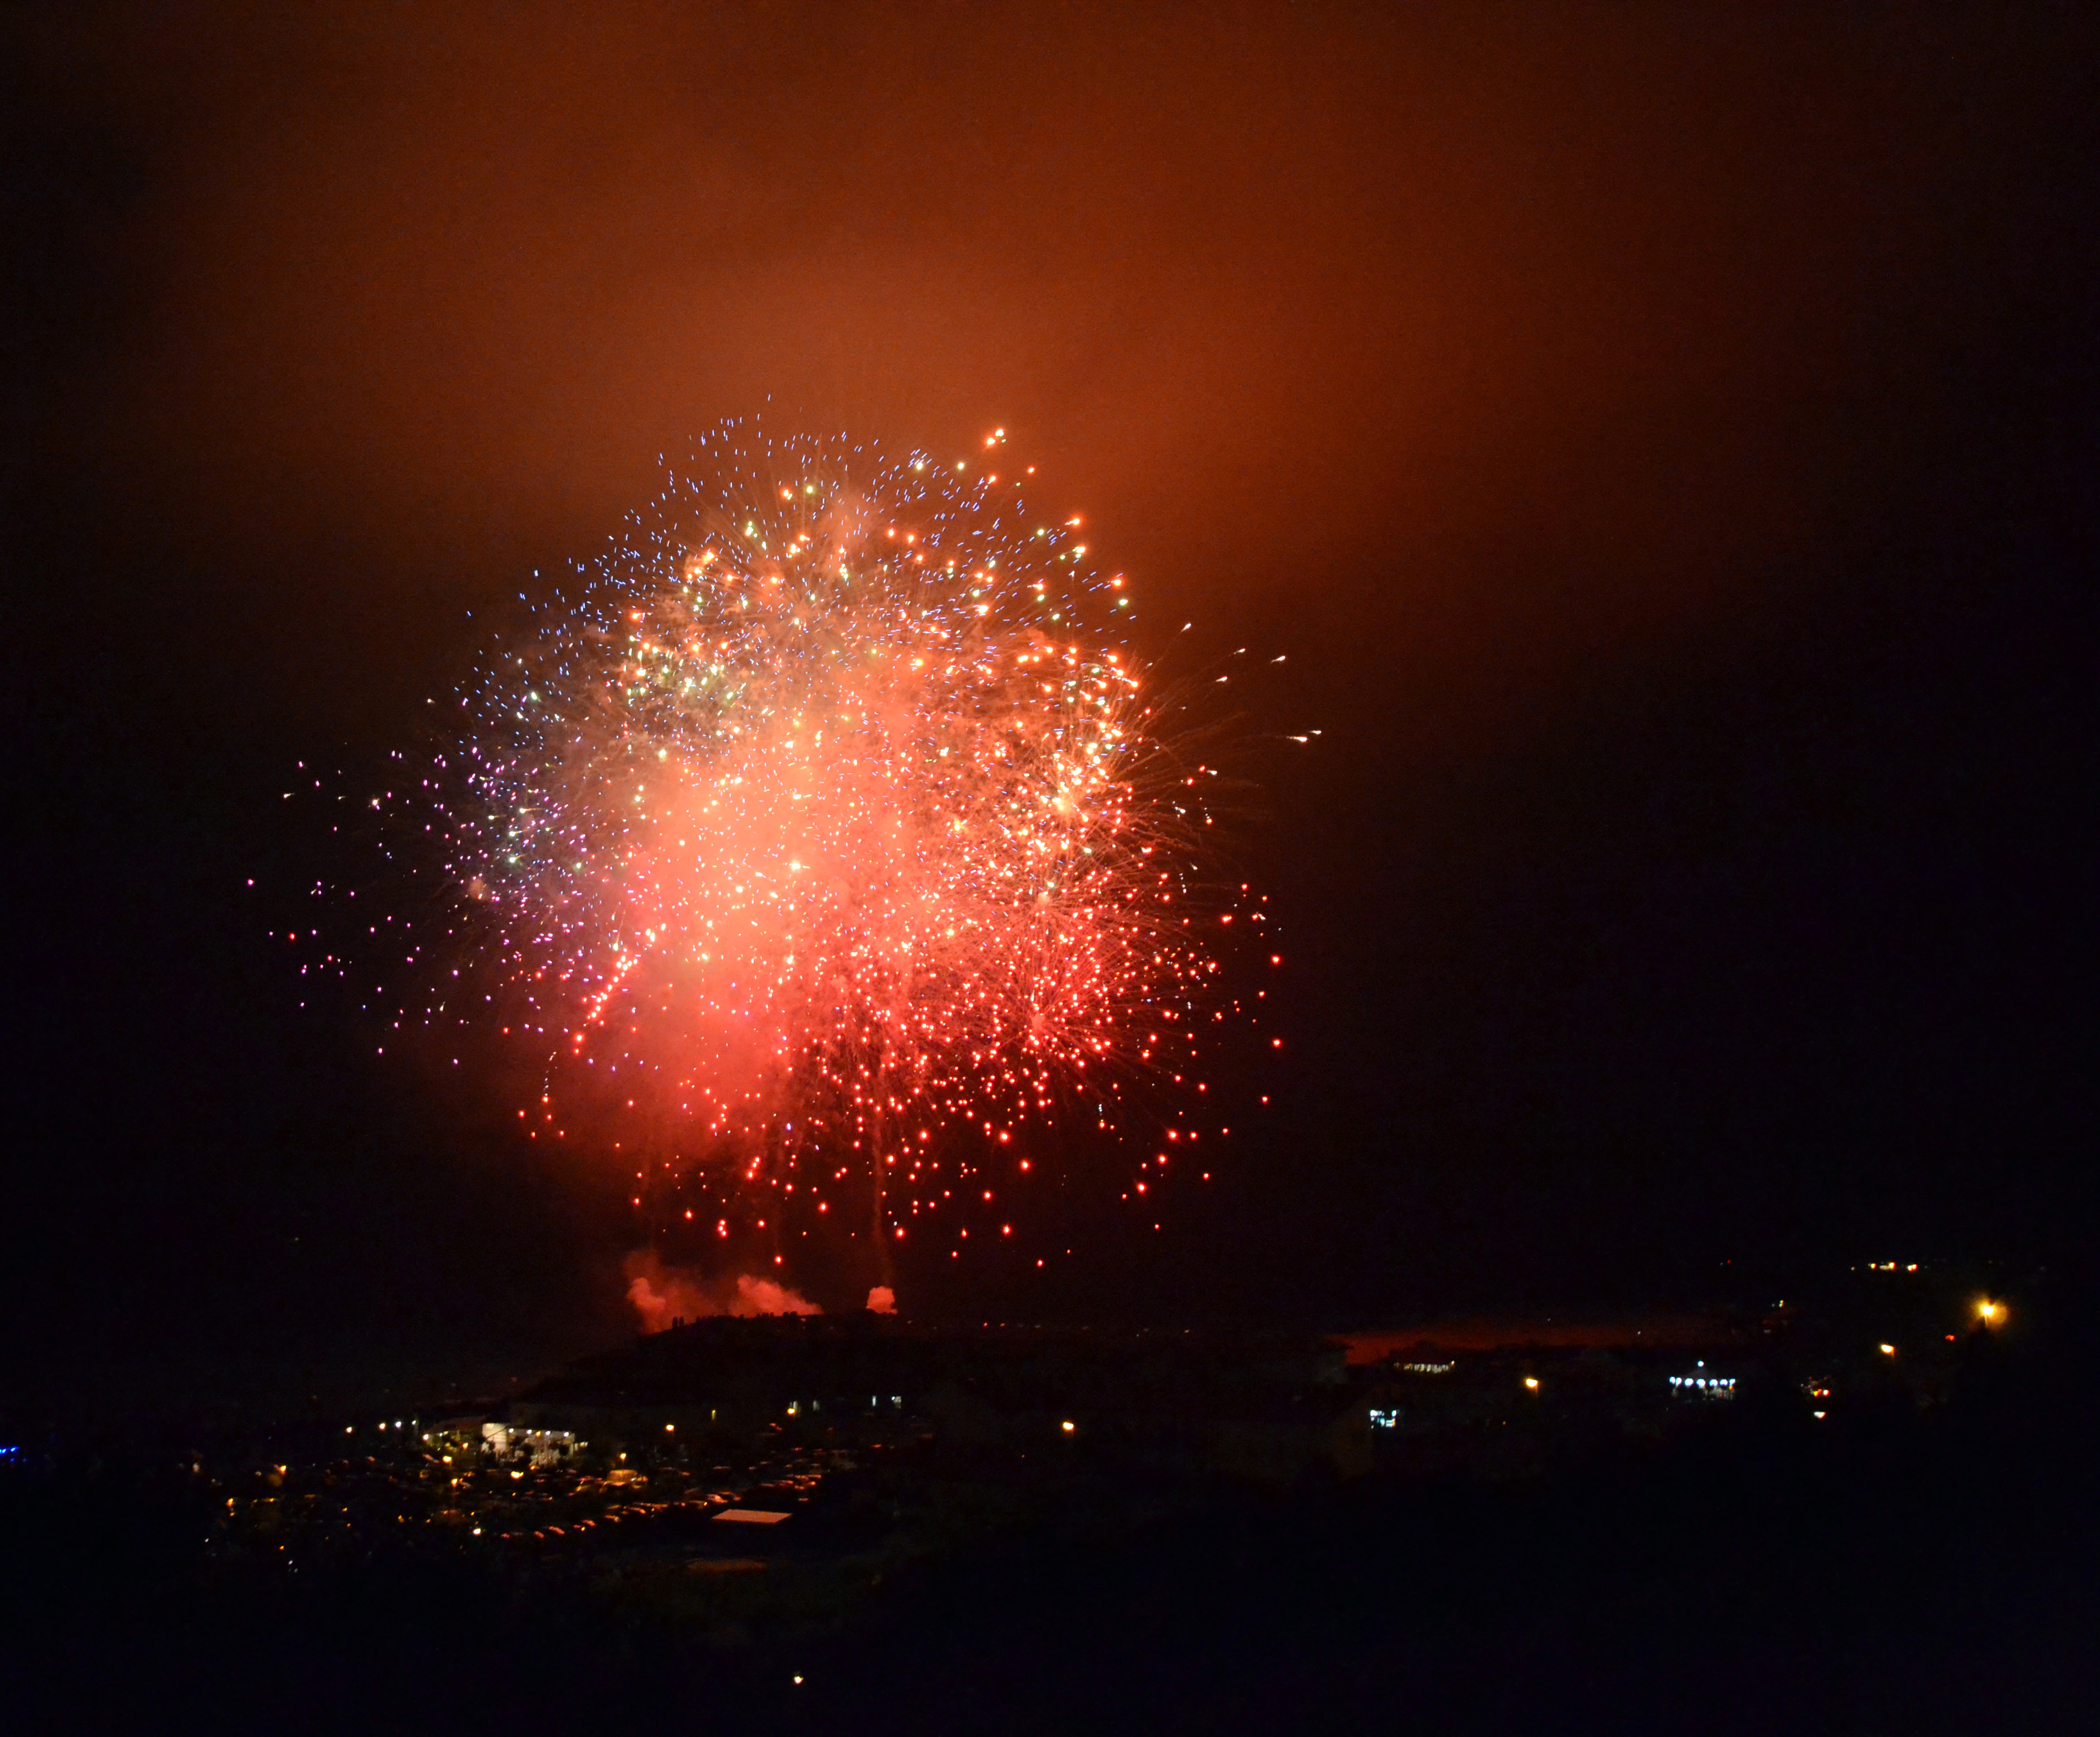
x,y
1893,1571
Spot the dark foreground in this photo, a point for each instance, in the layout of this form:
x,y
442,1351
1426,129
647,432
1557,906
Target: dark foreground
x,y
1887,1567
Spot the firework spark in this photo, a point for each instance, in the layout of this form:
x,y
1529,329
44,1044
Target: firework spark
x,y
827,825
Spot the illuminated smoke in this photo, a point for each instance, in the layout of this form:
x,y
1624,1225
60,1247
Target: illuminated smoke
x,y
662,1294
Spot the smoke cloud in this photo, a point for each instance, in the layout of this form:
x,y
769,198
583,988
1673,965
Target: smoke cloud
x,y
663,1294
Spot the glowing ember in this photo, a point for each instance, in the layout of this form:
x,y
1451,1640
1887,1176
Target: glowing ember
x,y
827,828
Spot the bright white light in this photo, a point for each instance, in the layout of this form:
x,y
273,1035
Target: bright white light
x,y
1707,1386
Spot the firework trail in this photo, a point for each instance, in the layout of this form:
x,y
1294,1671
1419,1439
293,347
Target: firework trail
x,y
828,823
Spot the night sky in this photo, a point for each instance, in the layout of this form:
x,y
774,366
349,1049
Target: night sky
x,y
1662,440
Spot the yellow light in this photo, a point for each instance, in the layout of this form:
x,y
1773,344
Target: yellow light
x,y
1068,1426
1531,1381
1989,1312
1888,1350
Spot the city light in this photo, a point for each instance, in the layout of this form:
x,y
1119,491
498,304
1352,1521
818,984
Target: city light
x,y
1705,1386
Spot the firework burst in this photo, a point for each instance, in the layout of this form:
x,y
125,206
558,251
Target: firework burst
x,y
824,850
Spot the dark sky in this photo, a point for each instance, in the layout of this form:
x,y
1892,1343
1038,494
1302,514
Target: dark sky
x,y
1663,439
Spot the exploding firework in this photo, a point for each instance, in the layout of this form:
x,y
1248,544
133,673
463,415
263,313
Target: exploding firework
x,y
827,825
